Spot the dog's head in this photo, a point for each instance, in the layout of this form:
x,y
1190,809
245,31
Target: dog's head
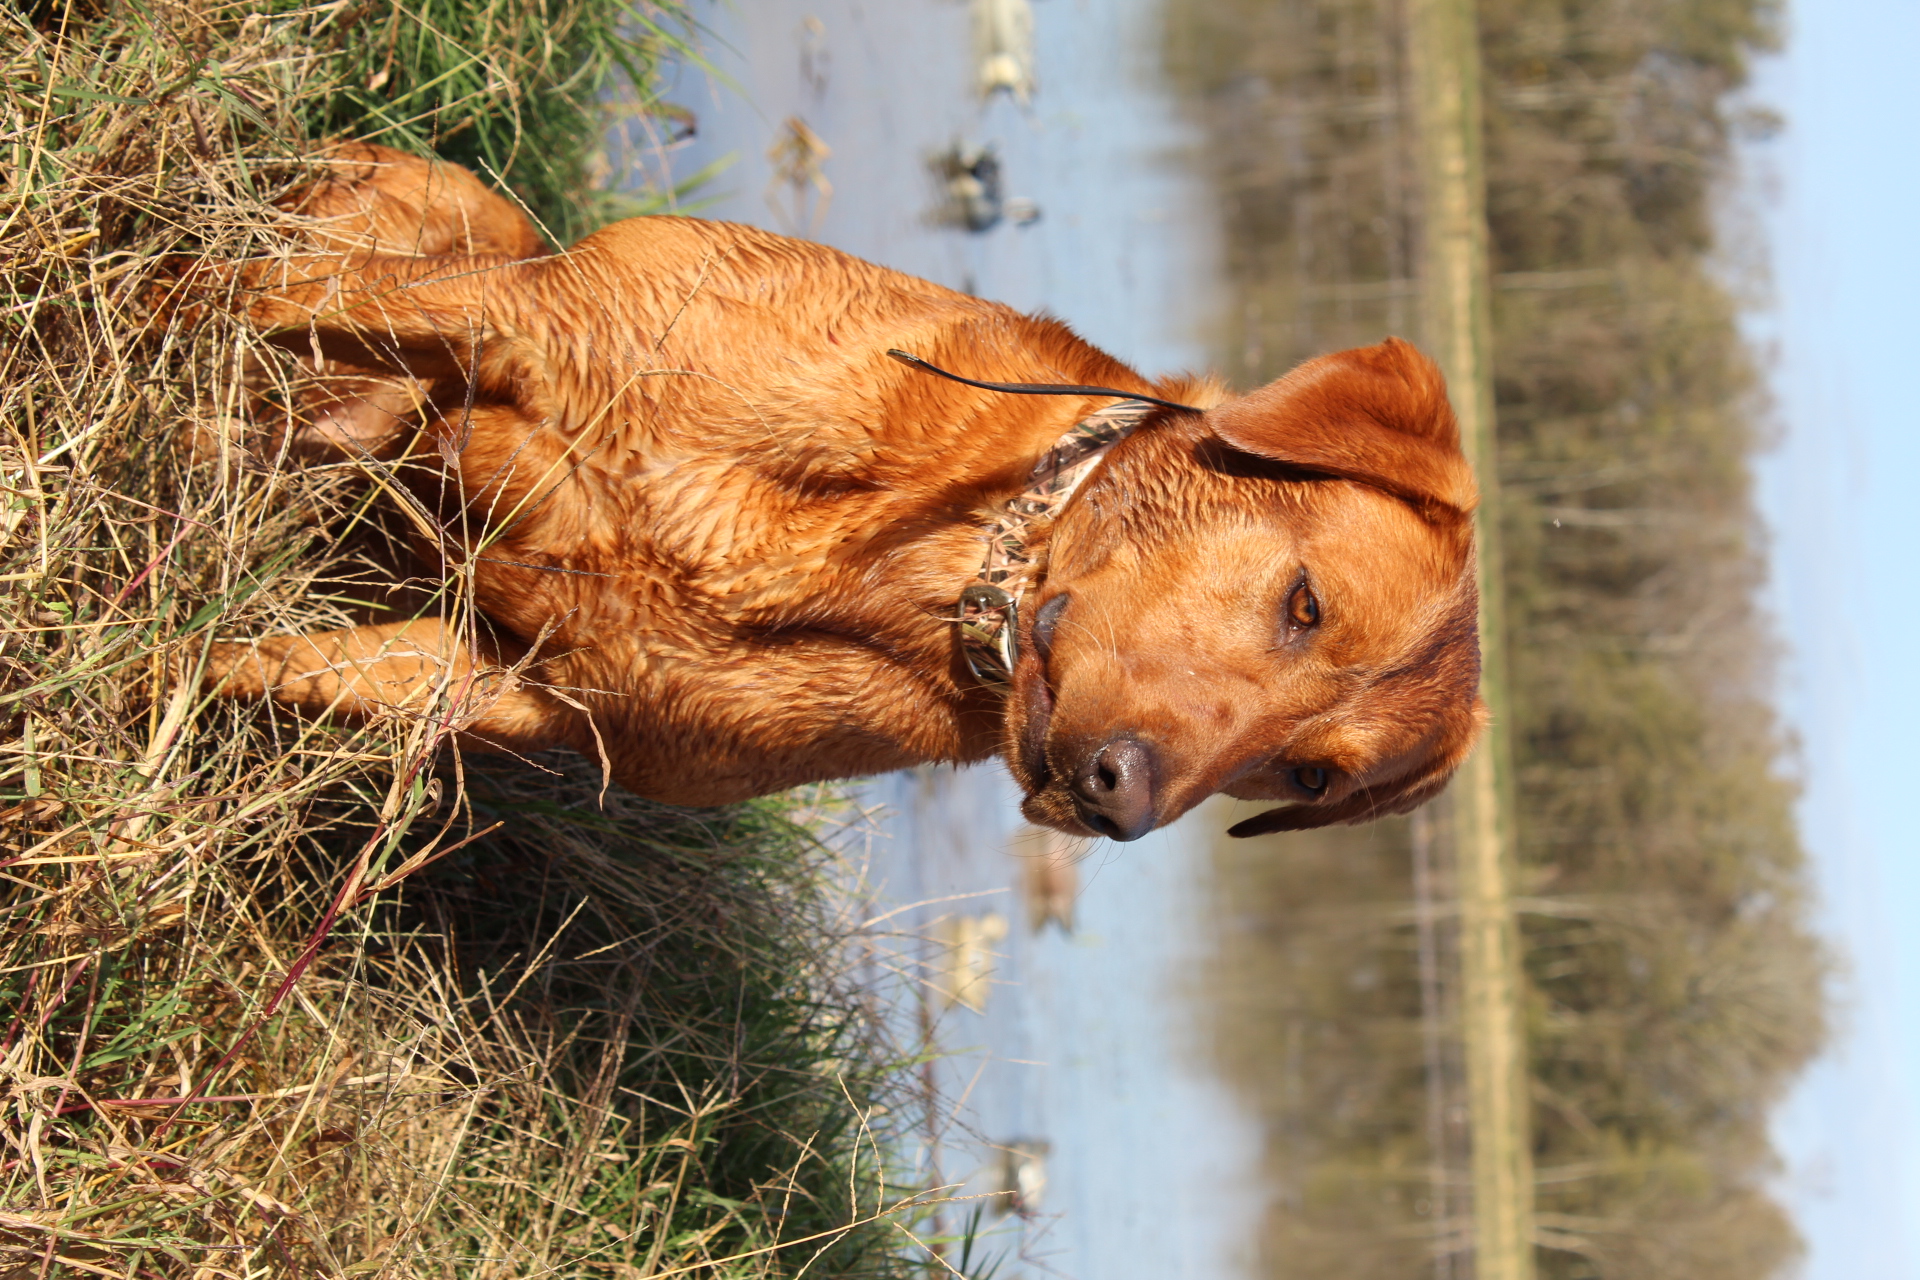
x,y
1275,599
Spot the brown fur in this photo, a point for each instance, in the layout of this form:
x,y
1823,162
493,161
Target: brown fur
x,y
371,200
766,523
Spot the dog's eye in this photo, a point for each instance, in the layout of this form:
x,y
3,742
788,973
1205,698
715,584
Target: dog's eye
x,y
1043,624
1303,610
1314,780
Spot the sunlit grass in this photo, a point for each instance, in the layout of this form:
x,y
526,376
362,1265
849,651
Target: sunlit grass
x,y
281,998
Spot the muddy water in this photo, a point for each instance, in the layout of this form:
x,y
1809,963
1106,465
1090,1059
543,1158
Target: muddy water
x,y
1072,1057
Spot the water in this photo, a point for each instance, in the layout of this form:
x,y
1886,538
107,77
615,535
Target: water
x,y
1124,246
1086,1044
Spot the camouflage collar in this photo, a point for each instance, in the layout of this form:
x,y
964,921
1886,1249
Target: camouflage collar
x,y
989,620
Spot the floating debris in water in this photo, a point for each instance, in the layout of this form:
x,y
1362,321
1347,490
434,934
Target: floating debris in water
x,y
816,61
798,155
1023,1176
966,970
1049,877
1003,48
974,197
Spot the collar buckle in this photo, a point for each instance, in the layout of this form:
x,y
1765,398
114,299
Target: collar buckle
x,y
989,625
989,621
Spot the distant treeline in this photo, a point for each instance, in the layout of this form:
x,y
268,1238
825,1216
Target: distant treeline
x,y
1675,988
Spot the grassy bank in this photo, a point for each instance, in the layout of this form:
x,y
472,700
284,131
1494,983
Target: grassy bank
x,y
280,998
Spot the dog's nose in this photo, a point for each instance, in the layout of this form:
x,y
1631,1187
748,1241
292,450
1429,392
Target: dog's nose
x,y
1114,790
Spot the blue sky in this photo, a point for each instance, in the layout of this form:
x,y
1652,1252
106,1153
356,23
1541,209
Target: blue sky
x,y
1840,194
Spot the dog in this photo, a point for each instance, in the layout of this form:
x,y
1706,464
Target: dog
x,y
718,537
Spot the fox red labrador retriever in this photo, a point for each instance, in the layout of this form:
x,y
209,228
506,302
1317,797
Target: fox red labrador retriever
x,y
718,537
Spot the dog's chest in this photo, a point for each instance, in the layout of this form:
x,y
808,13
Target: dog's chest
x,y
704,563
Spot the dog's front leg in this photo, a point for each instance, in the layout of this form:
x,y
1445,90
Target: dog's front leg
x,y
374,330
416,317
418,668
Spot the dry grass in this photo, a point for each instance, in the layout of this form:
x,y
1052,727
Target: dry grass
x,y
284,998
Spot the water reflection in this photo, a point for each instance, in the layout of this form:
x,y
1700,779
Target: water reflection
x,y
1073,1104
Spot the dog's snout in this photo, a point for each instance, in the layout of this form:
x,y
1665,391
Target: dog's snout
x,y
1113,790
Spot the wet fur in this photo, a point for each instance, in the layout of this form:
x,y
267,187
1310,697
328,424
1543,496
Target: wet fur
x,y
767,521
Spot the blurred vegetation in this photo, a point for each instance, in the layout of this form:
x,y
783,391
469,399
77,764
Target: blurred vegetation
x,y
520,91
295,999
1675,986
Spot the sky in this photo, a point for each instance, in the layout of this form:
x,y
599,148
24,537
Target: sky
x,y
1838,193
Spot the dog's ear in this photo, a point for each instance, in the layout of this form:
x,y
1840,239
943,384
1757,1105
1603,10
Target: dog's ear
x,y
1361,806
1454,738
1375,414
